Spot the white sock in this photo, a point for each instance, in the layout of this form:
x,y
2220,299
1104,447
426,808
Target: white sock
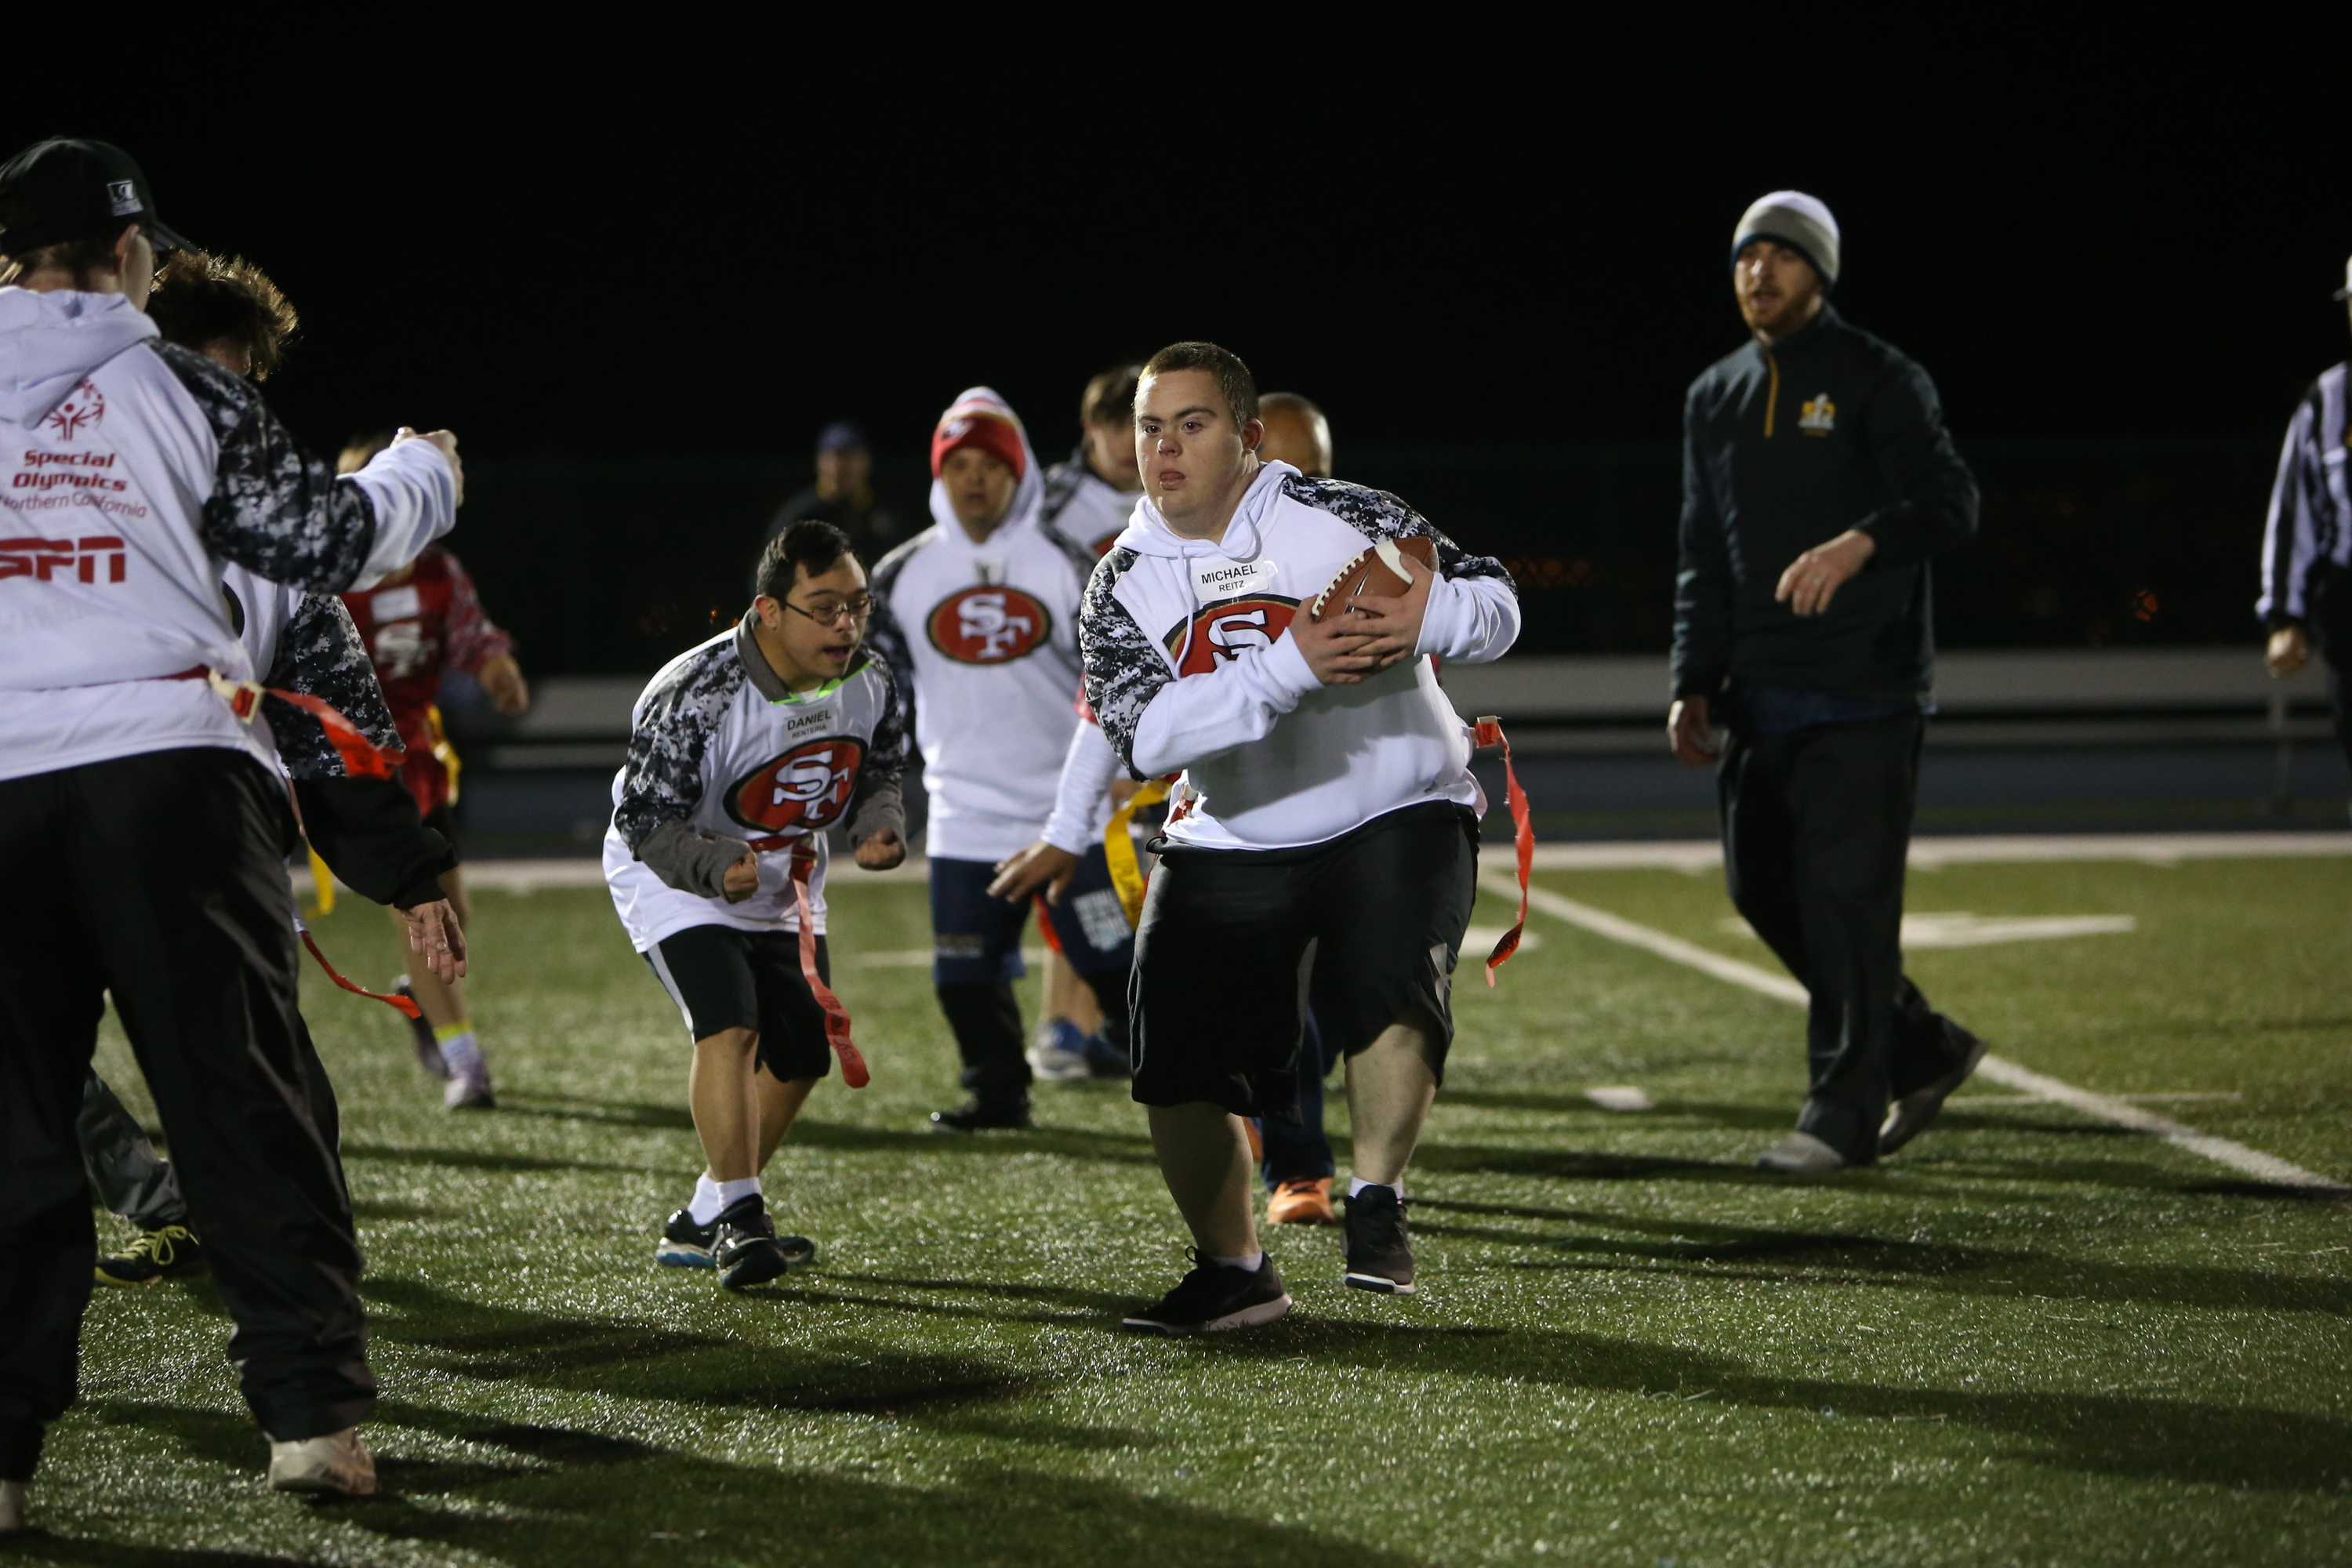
x,y
461,1051
733,1193
1357,1184
704,1206
1248,1260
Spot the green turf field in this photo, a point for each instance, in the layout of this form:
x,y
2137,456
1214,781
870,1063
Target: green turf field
x,y
2032,1338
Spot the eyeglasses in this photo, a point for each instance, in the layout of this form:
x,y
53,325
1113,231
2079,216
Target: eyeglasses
x,y
833,612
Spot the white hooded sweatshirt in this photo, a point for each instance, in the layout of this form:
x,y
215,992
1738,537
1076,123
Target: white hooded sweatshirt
x,y
130,471
986,634
1190,666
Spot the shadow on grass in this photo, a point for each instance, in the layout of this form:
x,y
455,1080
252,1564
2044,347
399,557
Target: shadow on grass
x,y
559,1496
1830,1258
481,1159
2169,1439
1077,1143
1760,1117
604,1112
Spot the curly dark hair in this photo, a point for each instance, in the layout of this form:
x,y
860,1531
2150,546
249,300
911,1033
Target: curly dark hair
x,y
812,544
200,299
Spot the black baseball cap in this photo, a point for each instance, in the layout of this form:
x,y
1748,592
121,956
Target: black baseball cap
x,y
65,189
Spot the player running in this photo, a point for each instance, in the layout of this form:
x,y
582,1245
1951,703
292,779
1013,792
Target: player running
x,y
978,612
363,825
1327,800
420,622
742,751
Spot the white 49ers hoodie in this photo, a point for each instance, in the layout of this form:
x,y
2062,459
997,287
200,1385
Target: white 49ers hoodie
x,y
1190,666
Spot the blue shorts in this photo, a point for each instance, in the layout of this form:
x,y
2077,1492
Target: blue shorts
x,y
976,940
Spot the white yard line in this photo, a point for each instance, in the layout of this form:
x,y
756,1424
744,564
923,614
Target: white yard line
x,y
2000,1069
1932,854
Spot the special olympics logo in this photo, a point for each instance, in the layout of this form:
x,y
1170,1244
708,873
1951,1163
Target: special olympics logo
x,y
81,410
1222,631
806,790
989,624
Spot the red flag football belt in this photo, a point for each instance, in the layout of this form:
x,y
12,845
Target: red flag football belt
x,y
837,1016
362,758
401,1003
1489,732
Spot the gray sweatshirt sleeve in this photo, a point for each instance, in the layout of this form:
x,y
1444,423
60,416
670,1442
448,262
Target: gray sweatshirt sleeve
x,y
690,861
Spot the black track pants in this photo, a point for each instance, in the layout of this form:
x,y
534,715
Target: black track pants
x,y
1816,829
129,1178
160,879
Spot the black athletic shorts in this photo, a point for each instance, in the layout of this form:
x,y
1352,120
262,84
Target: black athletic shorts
x,y
1230,938
722,978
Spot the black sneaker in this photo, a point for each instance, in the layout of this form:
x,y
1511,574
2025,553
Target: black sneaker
x,y
685,1245
1213,1298
421,1035
167,1252
1105,1059
981,1116
743,1246
1909,1116
1380,1252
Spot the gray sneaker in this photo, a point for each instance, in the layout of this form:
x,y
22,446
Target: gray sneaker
x,y
1801,1154
1909,1116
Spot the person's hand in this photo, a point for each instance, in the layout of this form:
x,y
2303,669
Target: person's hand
x,y
447,441
1395,624
1018,876
501,681
1689,732
2289,650
880,851
435,935
1122,790
1333,646
1813,577
743,879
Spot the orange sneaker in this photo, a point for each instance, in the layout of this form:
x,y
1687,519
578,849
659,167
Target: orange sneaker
x,y
1301,1201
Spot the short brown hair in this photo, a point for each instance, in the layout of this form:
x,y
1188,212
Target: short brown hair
x,y
1233,378
1110,396
80,257
199,299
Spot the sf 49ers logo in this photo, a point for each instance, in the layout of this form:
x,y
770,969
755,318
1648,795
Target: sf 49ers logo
x,y
82,410
989,624
804,791
1222,631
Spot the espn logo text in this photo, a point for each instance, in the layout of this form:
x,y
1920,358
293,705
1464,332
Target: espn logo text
x,y
47,560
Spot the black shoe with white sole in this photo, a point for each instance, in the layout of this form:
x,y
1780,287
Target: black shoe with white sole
x,y
1380,1250
1213,1298
744,1250
983,1116
1909,1116
685,1244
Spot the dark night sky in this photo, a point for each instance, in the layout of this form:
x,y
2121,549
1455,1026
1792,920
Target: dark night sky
x,y
1480,235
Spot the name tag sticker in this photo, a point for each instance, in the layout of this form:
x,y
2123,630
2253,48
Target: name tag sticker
x,y
1216,578
396,604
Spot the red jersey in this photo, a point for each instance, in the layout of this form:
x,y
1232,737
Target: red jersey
x,y
414,629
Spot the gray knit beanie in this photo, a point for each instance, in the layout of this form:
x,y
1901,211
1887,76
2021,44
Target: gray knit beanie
x,y
1798,221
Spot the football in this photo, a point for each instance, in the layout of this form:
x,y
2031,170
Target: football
x,y
1380,570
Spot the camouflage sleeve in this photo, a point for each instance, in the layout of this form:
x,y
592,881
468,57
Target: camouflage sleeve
x,y
1377,514
887,638
879,805
473,640
661,780
320,653
274,509
1124,667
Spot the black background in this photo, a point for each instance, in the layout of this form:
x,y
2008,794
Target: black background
x,y
646,240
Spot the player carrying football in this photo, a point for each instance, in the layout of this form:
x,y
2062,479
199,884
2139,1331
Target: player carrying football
x,y
1326,805
742,751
